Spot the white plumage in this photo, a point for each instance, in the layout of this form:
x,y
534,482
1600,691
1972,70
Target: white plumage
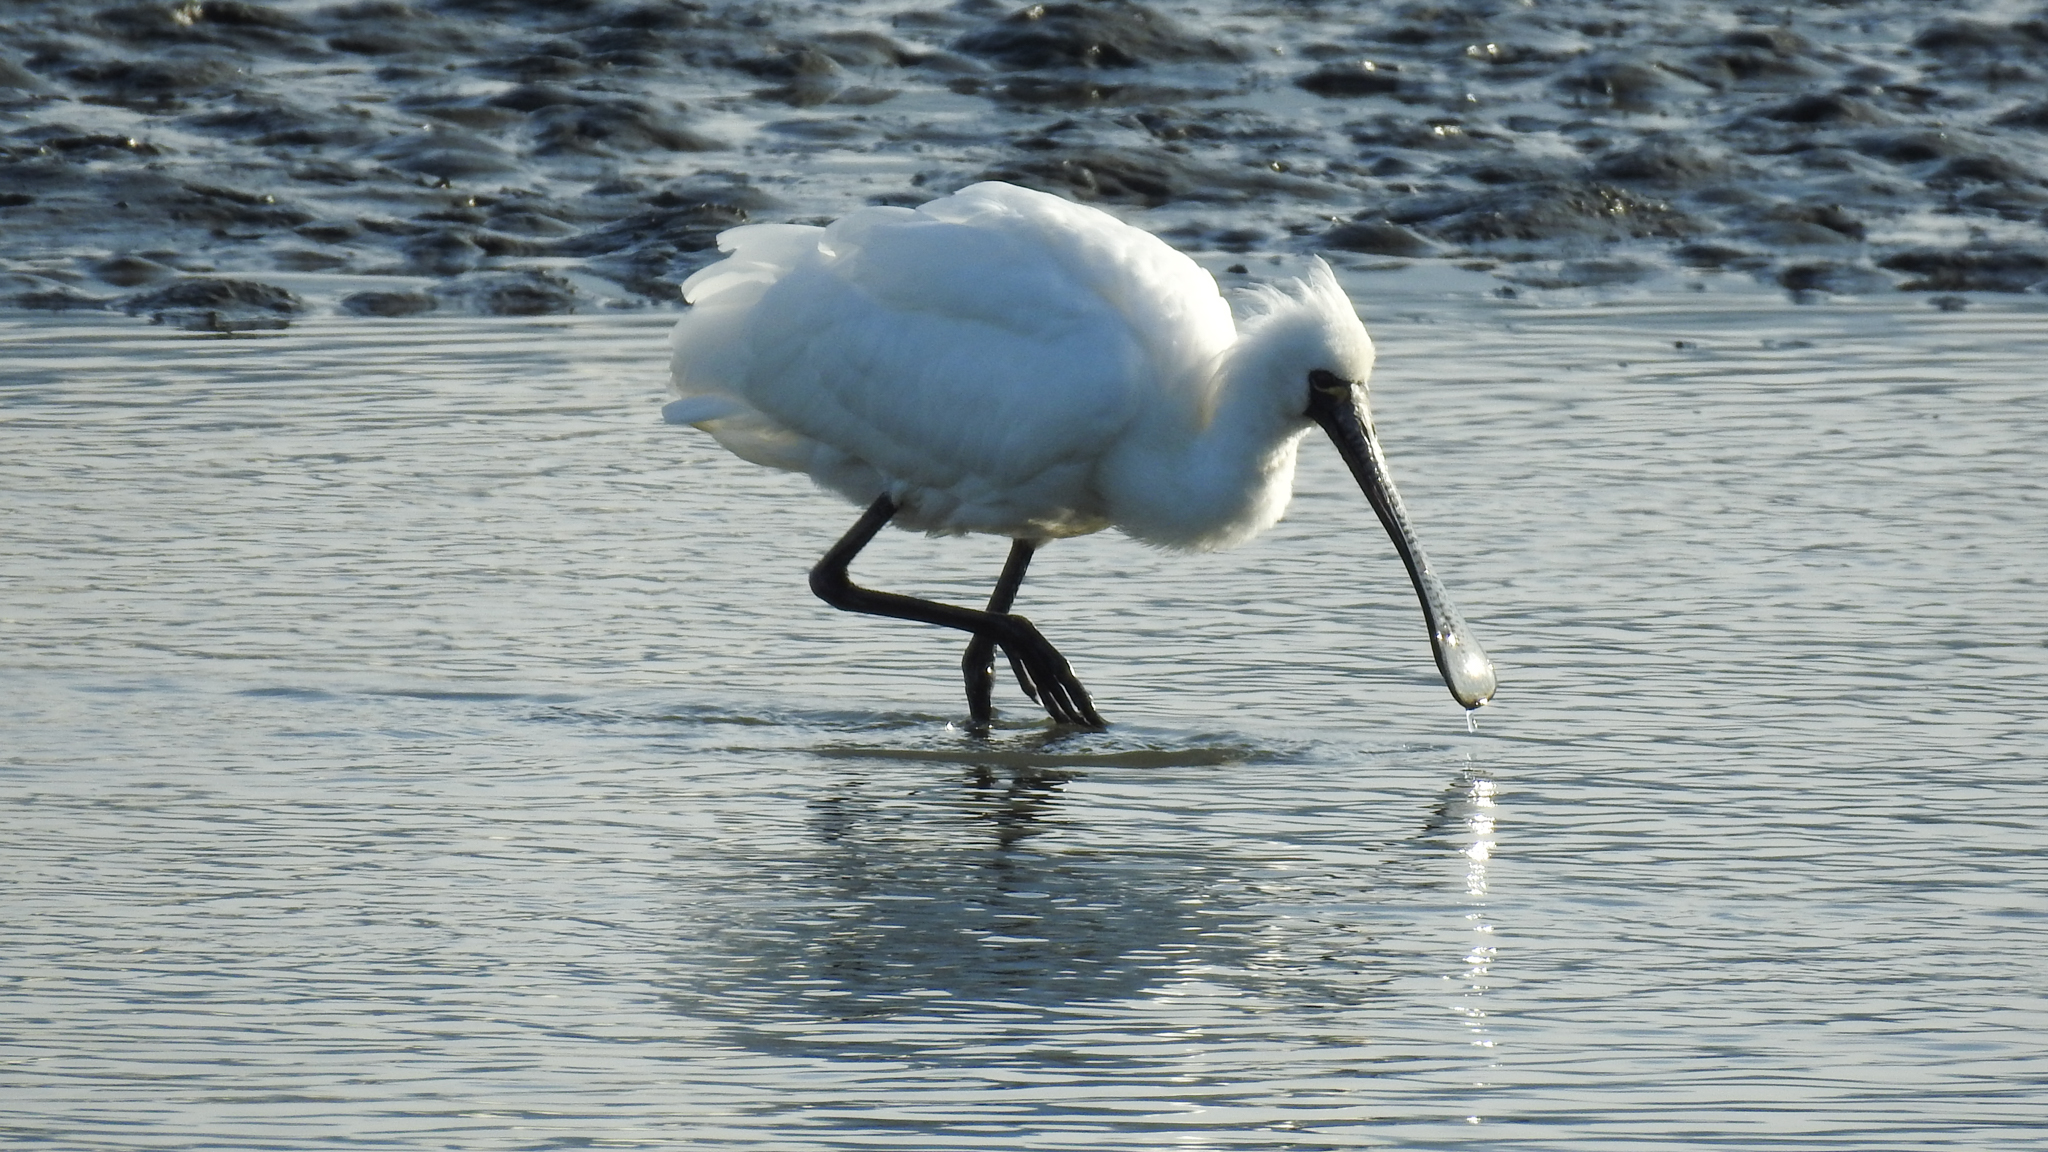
x,y
1000,361
1005,361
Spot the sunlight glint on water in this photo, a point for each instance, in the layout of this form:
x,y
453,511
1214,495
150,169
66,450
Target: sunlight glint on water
x,y
411,741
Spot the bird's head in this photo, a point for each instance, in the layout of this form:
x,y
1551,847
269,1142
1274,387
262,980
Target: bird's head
x,y
1309,344
1296,329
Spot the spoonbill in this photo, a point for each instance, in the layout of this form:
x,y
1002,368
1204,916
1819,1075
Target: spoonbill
x,y
1008,362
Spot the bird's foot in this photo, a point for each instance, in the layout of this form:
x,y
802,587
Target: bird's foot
x,y
1044,675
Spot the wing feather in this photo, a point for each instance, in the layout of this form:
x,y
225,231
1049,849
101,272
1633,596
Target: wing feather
x,y
979,354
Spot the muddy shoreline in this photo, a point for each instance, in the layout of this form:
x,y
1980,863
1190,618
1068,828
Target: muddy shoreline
x,y
183,162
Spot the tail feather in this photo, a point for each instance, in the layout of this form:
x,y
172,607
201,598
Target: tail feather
x,y
701,409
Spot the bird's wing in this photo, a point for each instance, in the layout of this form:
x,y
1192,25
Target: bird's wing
x,y
1170,304
939,353
932,350
989,347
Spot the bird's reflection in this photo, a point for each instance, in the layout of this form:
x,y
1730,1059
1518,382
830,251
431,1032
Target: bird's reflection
x,y
1464,823
941,899
937,894
1016,807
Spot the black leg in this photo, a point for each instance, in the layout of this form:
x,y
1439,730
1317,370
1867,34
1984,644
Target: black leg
x,y
979,665
1041,669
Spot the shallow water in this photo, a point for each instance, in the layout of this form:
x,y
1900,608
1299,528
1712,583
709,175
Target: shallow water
x,y
411,742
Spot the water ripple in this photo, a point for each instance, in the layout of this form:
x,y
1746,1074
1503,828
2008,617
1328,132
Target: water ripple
x,y
410,741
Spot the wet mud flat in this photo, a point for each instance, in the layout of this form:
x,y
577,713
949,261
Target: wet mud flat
x,y
231,164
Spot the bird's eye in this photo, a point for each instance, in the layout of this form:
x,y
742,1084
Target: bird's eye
x,y
1328,382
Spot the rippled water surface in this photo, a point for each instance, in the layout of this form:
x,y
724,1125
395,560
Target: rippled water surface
x,y
412,743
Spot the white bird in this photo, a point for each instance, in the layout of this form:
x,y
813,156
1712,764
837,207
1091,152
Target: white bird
x,y
1008,362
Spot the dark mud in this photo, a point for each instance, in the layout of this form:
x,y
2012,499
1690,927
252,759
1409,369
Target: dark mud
x,y
531,158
